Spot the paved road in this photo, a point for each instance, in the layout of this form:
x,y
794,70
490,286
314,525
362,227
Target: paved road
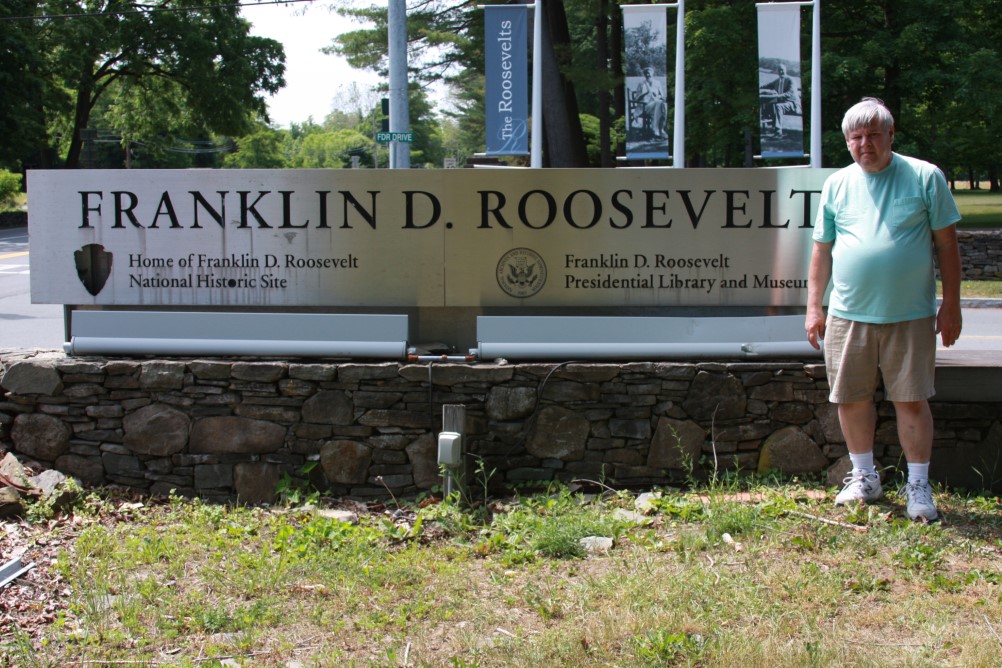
x,y
25,325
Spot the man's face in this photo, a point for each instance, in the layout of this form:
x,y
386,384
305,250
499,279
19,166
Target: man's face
x,y
870,146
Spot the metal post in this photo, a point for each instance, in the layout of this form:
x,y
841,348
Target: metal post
x,y
678,161
454,421
536,150
816,88
400,152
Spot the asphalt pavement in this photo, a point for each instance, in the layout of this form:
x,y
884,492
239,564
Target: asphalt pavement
x,y
24,325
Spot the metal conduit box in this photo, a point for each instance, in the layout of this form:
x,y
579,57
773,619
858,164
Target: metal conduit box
x,y
641,338
238,333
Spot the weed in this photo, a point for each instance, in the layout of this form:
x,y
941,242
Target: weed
x,y
553,526
918,557
867,583
16,650
681,508
982,503
296,491
666,648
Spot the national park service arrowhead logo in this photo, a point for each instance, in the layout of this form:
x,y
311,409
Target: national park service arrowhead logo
x,y
521,272
93,267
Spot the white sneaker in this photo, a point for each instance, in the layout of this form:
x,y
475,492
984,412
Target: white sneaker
x,y
920,503
860,486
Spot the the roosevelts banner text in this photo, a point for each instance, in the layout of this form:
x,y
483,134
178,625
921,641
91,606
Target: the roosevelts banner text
x,y
527,238
506,75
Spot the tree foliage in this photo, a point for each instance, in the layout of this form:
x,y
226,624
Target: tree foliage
x,y
23,82
935,63
187,67
154,78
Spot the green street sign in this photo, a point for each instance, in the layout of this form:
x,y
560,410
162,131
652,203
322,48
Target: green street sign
x,y
387,137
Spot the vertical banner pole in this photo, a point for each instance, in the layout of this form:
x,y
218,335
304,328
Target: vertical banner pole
x,y
678,160
536,153
816,87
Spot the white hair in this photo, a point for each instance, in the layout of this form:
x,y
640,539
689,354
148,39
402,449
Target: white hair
x,y
864,113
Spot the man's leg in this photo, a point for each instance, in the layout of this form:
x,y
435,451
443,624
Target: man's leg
x,y
859,421
915,431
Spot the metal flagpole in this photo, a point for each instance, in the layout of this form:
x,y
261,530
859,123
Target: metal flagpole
x,y
400,152
816,87
678,160
536,149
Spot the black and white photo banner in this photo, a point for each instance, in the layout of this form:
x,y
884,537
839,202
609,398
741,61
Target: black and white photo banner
x,y
781,118
645,38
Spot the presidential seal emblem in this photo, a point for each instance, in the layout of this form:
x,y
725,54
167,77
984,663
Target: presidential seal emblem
x,y
521,272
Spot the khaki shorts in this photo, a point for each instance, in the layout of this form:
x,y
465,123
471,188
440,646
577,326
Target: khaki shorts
x,y
858,354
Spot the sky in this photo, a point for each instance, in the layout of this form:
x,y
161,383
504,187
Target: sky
x,y
312,78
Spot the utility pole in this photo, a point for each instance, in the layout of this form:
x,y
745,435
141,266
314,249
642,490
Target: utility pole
x,y
400,152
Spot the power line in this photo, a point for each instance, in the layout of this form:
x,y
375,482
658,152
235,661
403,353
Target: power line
x,y
48,17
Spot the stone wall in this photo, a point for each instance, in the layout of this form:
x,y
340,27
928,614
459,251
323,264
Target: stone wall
x,y
13,218
981,254
222,429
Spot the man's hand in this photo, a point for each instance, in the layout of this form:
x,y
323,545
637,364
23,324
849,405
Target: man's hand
x,y
949,322
818,275
815,326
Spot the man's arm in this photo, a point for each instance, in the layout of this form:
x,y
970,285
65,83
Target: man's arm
x,y
818,275
949,320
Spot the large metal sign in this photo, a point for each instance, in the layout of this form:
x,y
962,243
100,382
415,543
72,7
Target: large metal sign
x,y
422,238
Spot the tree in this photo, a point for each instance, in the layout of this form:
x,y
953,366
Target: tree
x,y
721,94
24,84
433,26
332,150
264,149
904,52
193,65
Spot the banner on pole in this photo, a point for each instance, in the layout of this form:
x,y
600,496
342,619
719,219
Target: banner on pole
x,y
507,73
781,119
645,38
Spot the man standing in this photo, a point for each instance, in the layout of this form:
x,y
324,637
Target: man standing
x,y
877,225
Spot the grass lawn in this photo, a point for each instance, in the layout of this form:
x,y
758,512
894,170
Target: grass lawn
x,y
17,203
979,208
976,289
745,572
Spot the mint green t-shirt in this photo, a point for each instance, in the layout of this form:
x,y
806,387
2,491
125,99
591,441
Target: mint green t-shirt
x,y
881,225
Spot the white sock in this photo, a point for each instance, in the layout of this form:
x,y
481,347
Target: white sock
x,y
863,462
918,473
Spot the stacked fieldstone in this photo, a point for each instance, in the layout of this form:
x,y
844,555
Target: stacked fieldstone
x,y
981,254
225,429
13,218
